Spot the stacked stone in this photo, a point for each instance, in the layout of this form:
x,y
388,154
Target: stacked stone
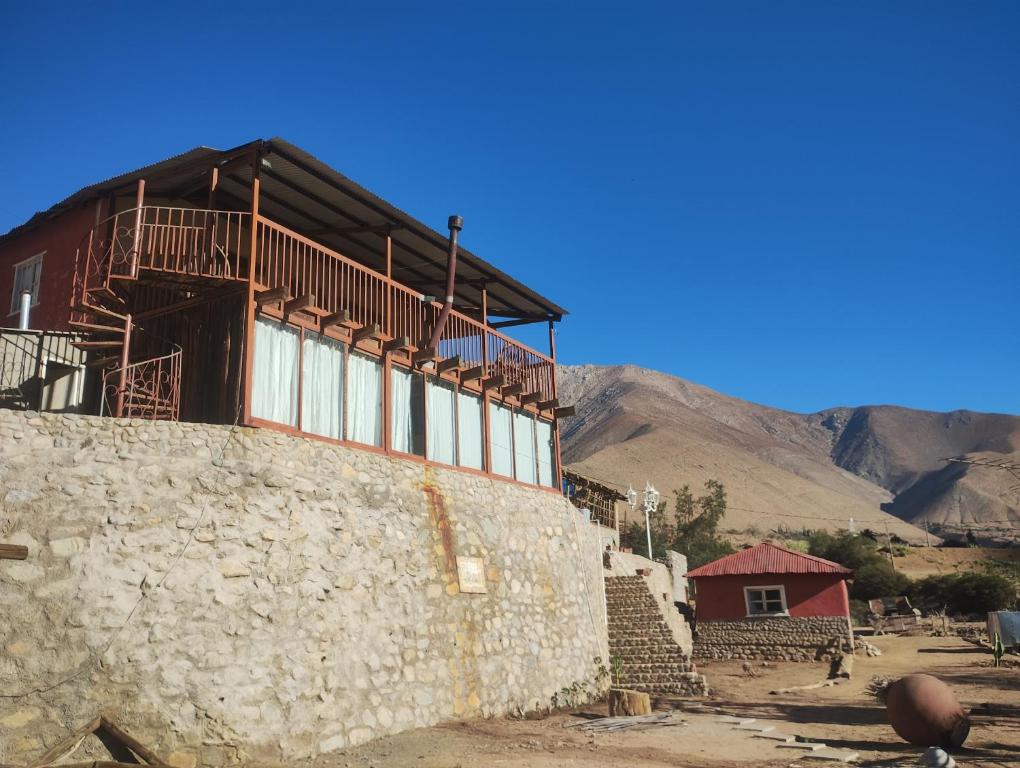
x,y
639,636
772,638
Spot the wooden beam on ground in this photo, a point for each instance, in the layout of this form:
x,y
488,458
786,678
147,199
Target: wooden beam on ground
x,y
564,412
448,364
530,397
131,742
547,405
298,303
424,356
511,389
471,374
494,381
343,317
13,552
271,296
369,332
399,343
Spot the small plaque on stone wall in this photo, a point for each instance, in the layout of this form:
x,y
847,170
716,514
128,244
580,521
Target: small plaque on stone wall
x,y
471,575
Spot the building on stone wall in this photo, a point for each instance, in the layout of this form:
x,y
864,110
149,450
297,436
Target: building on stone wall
x,y
767,602
258,286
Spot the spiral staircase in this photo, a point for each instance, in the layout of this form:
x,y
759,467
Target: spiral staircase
x,y
141,373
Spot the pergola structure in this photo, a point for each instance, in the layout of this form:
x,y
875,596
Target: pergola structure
x,y
599,498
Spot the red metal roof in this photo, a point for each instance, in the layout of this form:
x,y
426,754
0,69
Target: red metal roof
x,y
767,558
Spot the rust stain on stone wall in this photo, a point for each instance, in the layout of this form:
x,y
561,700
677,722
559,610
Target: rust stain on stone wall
x,y
440,522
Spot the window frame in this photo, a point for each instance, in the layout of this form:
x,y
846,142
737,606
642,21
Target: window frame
x,y
785,611
15,303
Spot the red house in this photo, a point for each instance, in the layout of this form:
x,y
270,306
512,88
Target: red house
x,y
767,602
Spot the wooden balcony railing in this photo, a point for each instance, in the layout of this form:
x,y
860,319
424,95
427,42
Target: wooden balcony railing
x,y
215,244
286,258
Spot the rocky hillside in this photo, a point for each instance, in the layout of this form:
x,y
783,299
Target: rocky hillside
x,y
788,469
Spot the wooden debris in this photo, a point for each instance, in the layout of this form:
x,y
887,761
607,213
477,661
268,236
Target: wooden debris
x,y
13,552
823,684
609,724
119,742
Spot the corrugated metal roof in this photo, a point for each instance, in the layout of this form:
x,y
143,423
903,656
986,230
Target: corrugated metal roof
x,y
303,193
767,558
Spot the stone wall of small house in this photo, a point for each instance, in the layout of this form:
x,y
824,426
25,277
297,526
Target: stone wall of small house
x,y
235,594
773,638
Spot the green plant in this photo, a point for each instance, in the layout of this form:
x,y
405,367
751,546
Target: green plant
x,y
617,669
997,650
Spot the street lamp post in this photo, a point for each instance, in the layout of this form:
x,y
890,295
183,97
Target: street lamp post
x,y
651,502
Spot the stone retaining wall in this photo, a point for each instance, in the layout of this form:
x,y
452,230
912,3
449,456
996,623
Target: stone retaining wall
x,y
241,594
772,638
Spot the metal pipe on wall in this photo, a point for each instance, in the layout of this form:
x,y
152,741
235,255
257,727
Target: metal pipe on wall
x,y
456,224
24,309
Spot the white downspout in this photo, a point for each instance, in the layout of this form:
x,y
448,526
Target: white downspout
x,y
24,309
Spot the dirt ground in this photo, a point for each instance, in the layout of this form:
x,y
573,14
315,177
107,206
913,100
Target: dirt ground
x,y
919,562
843,716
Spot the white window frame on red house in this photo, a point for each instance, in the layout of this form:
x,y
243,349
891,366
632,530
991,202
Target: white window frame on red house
x,y
784,611
21,268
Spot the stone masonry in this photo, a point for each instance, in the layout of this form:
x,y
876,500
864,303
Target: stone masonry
x,y
652,659
772,638
238,595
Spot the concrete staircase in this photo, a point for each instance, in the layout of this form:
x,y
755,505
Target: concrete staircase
x,y
639,636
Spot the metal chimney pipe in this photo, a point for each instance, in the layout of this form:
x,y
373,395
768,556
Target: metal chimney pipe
x,y
24,309
456,224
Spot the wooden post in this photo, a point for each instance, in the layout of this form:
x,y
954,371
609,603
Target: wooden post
x,y
389,286
249,330
486,426
557,470
136,239
122,375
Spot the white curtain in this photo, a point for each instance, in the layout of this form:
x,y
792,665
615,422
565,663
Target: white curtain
x,y
501,429
442,425
469,431
275,373
524,447
364,400
322,387
407,415
546,453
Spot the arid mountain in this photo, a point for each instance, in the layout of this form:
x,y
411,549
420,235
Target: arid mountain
x,y
787,469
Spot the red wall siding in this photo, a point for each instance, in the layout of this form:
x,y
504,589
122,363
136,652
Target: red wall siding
x,y
59,238
722,597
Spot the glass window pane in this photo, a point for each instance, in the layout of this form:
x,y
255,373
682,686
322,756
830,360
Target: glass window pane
x,y
524,447
442,427
364,400
469,431
275,372
322,387
546,453
501,429
408,414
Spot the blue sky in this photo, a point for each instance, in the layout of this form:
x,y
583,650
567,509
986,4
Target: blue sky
x,y
803,204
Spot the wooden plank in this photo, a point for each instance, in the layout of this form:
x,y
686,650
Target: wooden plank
x,y
448,364
530,397
401,342
13,552
370,331
298,303
343,317
131,742
564,412
96,344
66,746
494,381
271,296
472,374
546,405
511,389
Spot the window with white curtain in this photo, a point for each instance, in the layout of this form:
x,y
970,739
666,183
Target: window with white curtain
x,y
275,372
364,400
470,449
322,387
524,447
408,414
442,421
546,453
501,430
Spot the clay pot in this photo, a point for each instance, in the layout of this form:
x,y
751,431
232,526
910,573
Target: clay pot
x,y
923,711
